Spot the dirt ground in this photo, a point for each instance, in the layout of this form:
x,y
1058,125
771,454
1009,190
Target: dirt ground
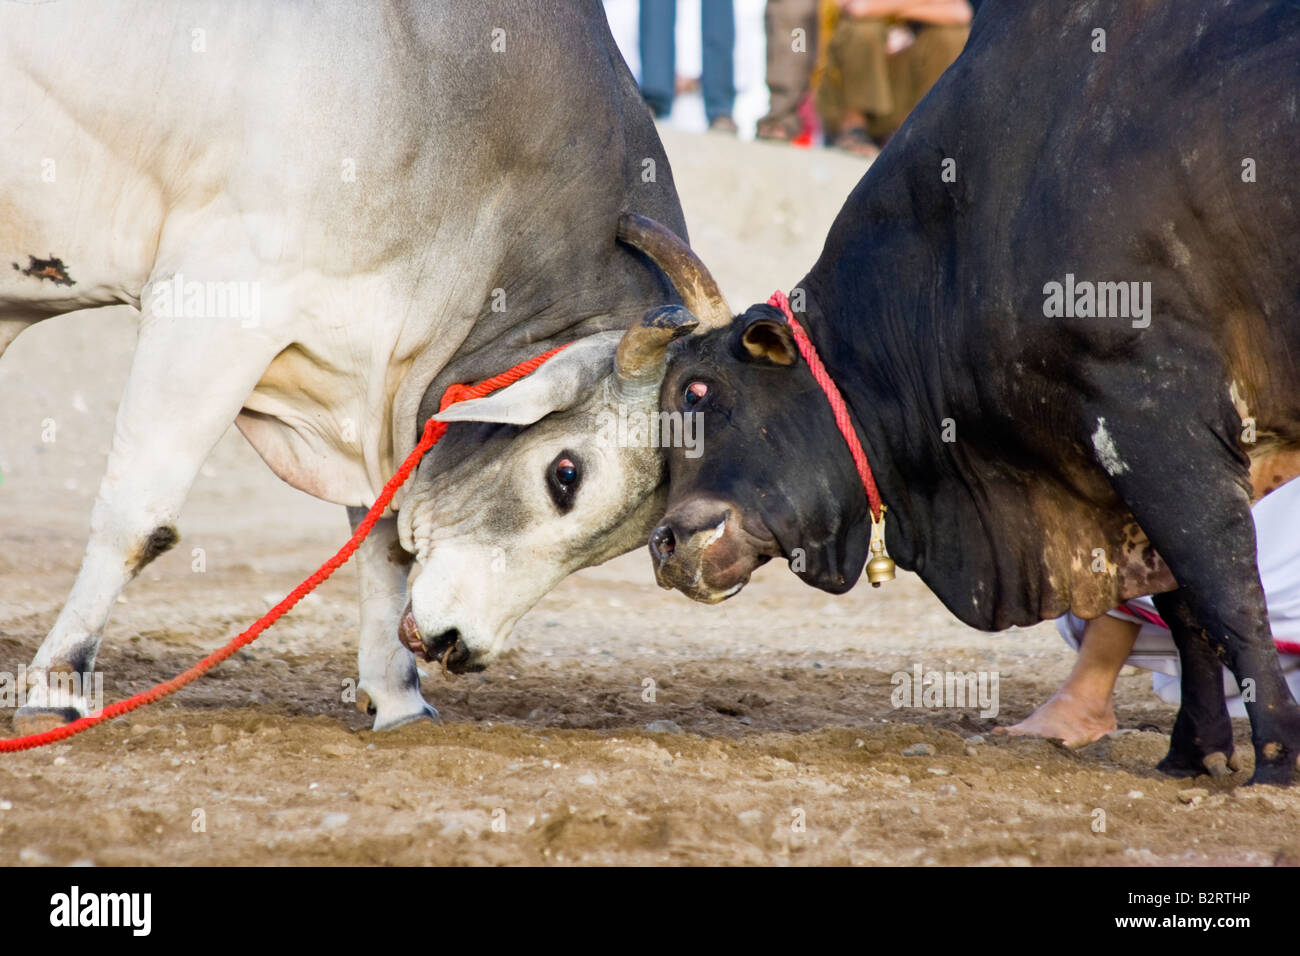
x,y
783,746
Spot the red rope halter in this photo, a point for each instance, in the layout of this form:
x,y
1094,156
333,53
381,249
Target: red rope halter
x,y
838,408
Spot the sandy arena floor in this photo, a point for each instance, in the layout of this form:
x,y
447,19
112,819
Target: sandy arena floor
x,y
785,747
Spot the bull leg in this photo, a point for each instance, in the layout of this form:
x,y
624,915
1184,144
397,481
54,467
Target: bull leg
x,y
9,329
186,385
1202,737
389,688
1186,486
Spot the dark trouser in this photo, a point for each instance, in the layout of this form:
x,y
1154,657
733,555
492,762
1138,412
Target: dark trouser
x,y
861,78
789,70
659,56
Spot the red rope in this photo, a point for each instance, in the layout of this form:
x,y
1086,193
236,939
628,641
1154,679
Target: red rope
x,y
838,408
1155,620
433,432
1135,610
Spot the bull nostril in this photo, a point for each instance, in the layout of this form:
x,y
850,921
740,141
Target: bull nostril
x,y
663,542
439,645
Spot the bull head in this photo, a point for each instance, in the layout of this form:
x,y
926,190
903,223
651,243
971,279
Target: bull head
x,y
564,493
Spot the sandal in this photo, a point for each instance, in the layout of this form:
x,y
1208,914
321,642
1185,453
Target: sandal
x,y
857,142
775,130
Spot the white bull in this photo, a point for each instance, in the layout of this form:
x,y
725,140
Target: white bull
x,y
325,214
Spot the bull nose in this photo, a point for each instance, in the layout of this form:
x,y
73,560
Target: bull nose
x,y
702,550
680,546
438,646
663,543
450,649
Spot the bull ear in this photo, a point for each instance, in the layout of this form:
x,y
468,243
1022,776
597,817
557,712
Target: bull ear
x,y
768,340
560,383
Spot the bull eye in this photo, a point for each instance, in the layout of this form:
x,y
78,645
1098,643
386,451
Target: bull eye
x,y
695,393
562,480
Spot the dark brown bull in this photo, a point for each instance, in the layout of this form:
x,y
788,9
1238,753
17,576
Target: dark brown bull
x,y
965,303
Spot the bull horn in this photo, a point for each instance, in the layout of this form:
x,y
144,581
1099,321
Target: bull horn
x,y
683,267
643,351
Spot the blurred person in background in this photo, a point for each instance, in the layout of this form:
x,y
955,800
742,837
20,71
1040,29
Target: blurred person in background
x,y
658,26
791,54
881,58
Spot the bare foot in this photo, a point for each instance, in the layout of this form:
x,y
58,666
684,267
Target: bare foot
x,y
1074,721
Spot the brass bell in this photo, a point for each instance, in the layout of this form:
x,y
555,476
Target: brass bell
x,y
881,566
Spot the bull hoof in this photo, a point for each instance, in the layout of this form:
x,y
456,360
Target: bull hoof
x,y
1274,764
1216,764
37,720
1277,745
1278,775
365,704
391,723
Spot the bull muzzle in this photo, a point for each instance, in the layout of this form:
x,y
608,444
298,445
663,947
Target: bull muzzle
x,y
448,647
702,550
